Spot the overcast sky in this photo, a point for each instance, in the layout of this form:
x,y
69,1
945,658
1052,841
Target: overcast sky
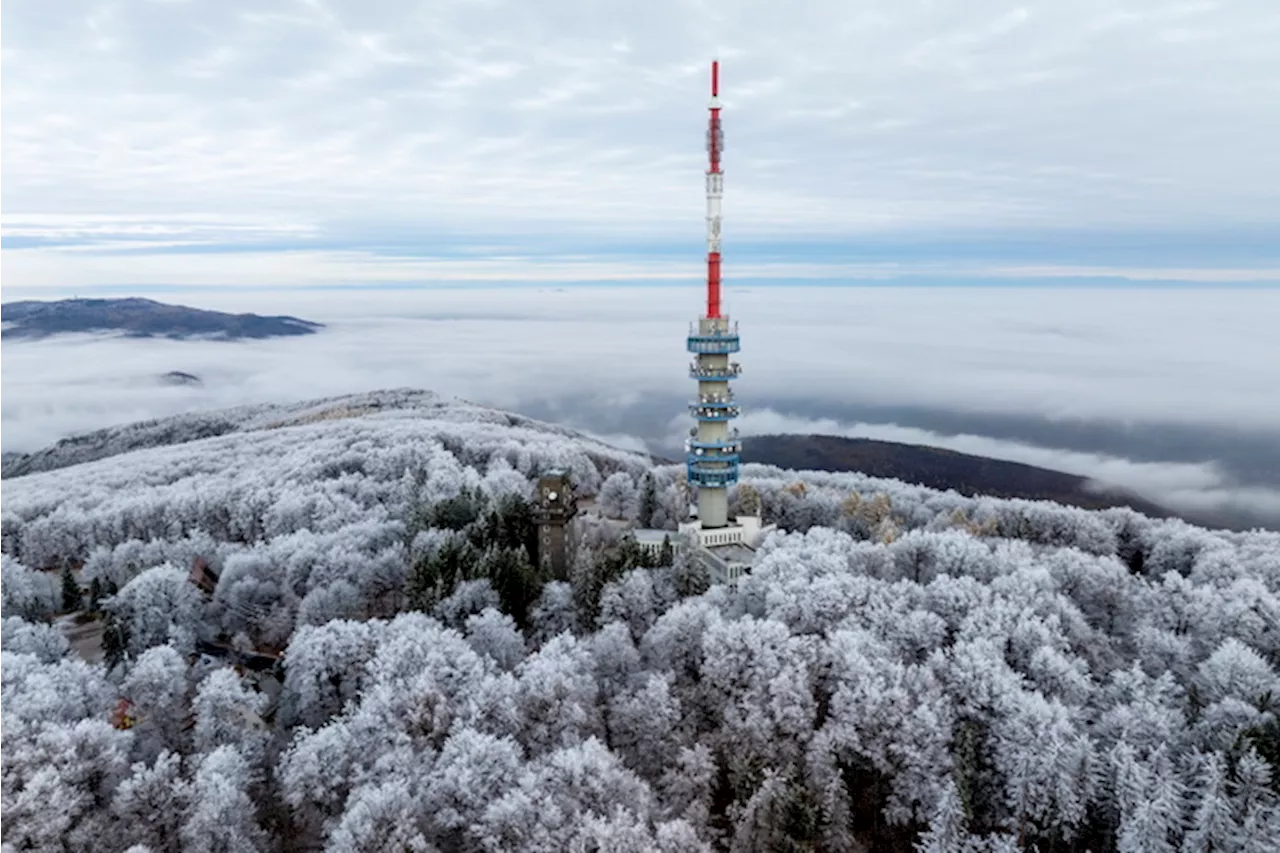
x,y
249,142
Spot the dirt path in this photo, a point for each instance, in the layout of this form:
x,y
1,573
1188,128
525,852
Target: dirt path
x,y
85,640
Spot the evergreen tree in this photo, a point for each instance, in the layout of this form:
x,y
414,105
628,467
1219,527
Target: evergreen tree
x,y
689,574
1213,826
648,501
115,640
667,556
513,525
948,827
458,512
593,571
514,578
434,576
95,595
72,600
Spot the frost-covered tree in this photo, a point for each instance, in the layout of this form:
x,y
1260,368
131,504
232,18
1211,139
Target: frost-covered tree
x,y
631,599
44,642
28,594
494,634
222,817
553,612
618,497
1213,823
473,770
58,778
468,599
556,795
159,606
557,695
903,667
326,669
152,804
156,685
381,816
644,725
227,713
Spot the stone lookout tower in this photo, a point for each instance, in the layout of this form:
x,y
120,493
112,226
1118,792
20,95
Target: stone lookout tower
x,y
555,508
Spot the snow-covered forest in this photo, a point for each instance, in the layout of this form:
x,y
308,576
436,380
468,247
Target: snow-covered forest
x,y
904,669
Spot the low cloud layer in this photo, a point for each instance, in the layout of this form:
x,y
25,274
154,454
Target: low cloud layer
x,y
1186,487
593,356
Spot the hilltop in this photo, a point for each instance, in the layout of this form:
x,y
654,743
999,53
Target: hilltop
x,y
141,318
424,406
898,669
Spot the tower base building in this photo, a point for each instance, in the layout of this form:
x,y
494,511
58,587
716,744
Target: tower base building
x,y
727,553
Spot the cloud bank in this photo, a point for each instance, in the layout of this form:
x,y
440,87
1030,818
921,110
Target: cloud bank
x,y
1186,487
593,356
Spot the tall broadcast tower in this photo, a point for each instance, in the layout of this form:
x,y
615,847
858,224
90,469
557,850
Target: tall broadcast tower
x,y
712,451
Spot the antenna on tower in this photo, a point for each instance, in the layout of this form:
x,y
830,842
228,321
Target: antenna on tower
x,y
715,191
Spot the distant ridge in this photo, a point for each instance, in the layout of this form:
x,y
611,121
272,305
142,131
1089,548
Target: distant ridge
x,y
263,417
141,318
938,468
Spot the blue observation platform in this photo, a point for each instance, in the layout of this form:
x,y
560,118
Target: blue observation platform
x,y
714,342
697,454
713,464
701,474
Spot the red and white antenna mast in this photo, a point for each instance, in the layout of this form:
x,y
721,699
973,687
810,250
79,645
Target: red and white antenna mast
x,y
715,191
713,449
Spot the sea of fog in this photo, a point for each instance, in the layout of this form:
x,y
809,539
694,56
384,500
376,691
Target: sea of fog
x,y
1174,393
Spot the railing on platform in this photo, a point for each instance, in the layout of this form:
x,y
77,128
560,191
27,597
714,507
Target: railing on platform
x,y
714,374
693,458
721,398
714,341
710,447
714,411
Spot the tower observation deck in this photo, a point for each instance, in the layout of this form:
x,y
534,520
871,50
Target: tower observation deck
x,y
712,451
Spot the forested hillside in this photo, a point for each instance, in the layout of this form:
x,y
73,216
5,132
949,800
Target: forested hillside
x,y
940,468
180,429
142,318
904,668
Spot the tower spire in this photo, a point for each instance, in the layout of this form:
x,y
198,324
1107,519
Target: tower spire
x,y
713,448
715,190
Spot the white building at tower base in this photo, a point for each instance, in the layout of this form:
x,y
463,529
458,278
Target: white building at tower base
x,y
726,553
